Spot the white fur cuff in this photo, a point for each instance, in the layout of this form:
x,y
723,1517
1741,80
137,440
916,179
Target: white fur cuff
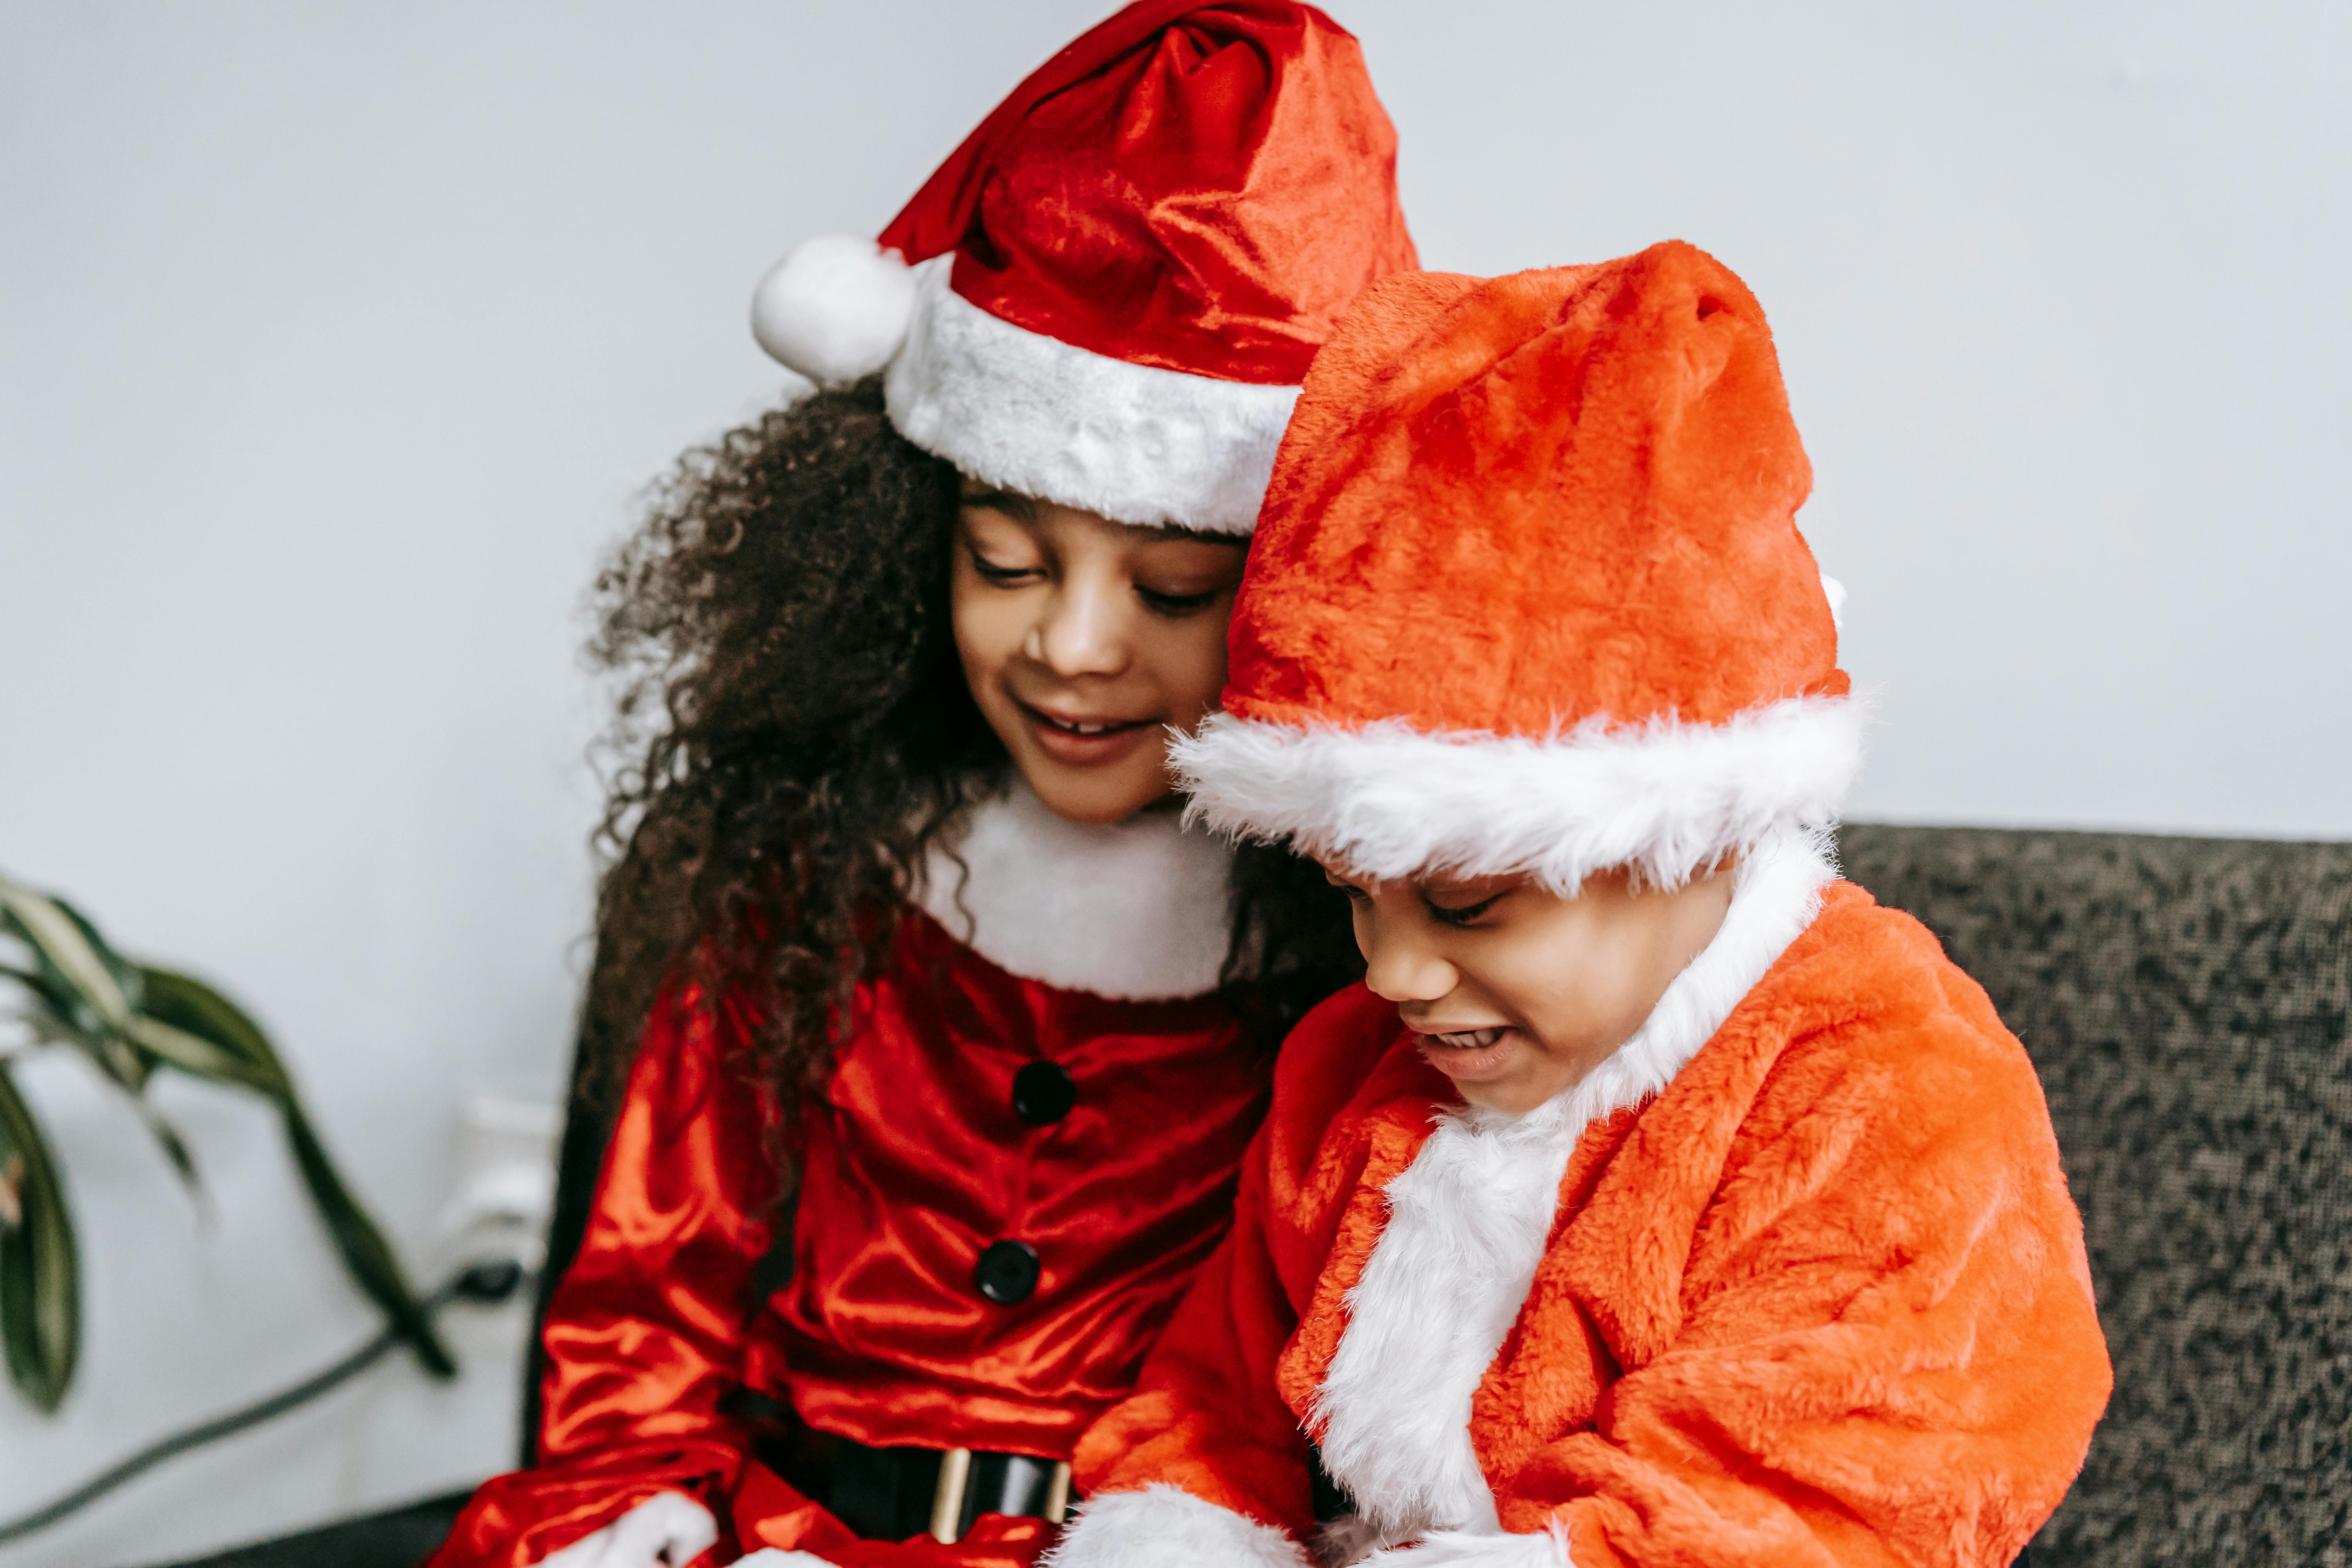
x,y
1166,1527
1133,442
667,1527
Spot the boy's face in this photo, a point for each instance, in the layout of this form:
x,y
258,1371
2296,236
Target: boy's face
x,y
1084,639
1518,992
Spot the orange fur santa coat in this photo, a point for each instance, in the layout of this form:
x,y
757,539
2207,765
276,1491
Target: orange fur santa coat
x,y
1792,1278
1795,1279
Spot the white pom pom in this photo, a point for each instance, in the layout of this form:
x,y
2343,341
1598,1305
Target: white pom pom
x,y
1835,591
835,308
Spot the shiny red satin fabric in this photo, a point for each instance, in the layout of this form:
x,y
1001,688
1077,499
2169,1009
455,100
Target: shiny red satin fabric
x,y
1203,188
914,1162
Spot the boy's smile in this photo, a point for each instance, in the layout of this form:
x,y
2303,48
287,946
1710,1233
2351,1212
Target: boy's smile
x,y
1471,1055
1515,992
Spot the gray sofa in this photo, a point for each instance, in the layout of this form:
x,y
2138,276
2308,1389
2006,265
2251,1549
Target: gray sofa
x,y
2185,1002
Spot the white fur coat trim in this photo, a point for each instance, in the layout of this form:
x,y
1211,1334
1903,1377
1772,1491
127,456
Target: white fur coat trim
x,y
1468,1221
1167,1527
1665,796
1136,910
1133,442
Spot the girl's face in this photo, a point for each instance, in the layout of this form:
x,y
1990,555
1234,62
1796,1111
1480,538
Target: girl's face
x,y
1516,992
1084,639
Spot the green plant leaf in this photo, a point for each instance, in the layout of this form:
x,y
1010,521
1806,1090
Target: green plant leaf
x,y
65,1015
55,1002
366,1254
91,988
40,1276
175,1148
192,1027
224,1033
200,1058
68,947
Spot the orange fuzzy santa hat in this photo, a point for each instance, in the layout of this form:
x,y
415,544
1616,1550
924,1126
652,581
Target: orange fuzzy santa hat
x,y
1528,594
1108,296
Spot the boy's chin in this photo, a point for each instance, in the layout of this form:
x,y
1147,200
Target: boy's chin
x,y
1496,1076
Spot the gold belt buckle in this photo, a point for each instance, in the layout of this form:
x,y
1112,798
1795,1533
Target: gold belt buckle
x,y
955,1482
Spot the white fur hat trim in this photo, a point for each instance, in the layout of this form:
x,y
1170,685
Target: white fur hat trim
x,y
1134,443
1666,797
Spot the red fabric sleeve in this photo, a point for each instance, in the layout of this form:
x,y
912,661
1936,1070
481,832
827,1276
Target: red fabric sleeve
x,y
648,1327
1206,1415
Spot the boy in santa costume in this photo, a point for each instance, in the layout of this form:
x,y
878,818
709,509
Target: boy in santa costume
x,y
1659,1198
942,1037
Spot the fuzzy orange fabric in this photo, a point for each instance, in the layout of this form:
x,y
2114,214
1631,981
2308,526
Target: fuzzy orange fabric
x,y
1823,1301
1599,459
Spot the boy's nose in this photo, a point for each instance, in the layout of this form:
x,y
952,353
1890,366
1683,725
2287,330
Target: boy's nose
x,y
1398,969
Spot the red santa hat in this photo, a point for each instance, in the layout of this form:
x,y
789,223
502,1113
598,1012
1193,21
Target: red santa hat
x,y
1528,595
1109,295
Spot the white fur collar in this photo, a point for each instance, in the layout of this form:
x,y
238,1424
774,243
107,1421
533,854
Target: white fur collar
x,y
1468,1221
1135,911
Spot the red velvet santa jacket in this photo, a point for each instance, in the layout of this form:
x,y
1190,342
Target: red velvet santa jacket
x,y
1802,1285
916,1160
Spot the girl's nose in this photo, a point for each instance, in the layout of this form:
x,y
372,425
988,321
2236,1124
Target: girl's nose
x,y
1083,631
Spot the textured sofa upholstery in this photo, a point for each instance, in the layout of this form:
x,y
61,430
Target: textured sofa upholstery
x,y
2185,1002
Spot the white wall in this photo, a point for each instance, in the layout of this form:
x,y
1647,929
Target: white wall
x,y
335,340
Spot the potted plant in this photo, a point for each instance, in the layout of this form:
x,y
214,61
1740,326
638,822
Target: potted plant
x,y
130,1021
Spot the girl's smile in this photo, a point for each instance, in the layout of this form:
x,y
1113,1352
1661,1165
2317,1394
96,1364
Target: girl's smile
x,y
1090,741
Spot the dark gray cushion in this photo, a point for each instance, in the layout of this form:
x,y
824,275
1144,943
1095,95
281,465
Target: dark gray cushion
x,y
2184,1001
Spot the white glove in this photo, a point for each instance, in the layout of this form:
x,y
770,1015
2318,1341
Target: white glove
x,y
669,1530
771,1557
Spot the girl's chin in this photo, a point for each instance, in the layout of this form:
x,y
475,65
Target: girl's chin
x,y
1093,794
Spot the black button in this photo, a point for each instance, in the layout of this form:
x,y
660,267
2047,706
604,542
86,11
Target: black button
x,y
1007,1272
1043,1094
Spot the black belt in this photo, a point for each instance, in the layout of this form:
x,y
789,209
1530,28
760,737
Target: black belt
x,y
891,1494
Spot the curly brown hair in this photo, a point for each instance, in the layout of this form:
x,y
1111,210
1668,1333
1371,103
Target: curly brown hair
x,y
795,728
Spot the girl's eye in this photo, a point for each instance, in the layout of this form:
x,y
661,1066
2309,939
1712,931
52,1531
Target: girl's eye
x,y
1461,915
1175,604
991,571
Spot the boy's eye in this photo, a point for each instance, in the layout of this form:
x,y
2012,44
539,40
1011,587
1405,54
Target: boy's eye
x,y
1175,604
1460,914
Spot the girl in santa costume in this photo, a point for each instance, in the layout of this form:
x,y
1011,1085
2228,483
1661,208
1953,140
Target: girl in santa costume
x,y
1658,1199
942,1039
